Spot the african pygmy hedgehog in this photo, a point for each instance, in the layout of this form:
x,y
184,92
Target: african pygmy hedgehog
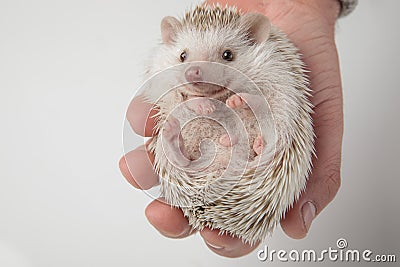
x,y
235,135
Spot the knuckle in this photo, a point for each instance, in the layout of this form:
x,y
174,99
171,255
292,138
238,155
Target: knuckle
x,y
329,112
333,178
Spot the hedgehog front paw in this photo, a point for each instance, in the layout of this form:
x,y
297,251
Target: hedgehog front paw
x,y
235,101
258,145
245,100
171,128
201,105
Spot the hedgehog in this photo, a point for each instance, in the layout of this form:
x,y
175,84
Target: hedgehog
x,y
234,138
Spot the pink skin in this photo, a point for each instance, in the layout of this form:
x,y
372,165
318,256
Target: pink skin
x,y
193,74
235,101
243,100
258,145
201,105
310,25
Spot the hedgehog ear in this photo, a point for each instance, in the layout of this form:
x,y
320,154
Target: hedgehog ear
x,y
257,25
169,28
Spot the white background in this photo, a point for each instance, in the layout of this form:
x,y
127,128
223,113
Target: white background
x,y
68,70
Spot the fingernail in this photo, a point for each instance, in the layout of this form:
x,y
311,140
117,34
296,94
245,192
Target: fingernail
x,y
185,232
214,246
308,211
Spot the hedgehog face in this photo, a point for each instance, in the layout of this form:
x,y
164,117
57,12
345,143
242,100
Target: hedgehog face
x,y
207,58
206,36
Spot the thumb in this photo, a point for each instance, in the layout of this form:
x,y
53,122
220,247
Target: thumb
x,y
322,186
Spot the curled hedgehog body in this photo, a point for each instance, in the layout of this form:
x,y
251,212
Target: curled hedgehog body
x,y
235,135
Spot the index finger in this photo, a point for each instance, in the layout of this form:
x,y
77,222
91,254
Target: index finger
x,y
141,116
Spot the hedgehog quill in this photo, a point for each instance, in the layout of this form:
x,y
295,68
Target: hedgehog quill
x,y
235,135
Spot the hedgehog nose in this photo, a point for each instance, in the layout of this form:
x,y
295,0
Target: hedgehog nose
x,y
193,74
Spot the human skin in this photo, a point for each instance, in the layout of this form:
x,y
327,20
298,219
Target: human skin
x,y
310,24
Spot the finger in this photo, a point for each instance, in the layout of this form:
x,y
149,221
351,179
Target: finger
x,y
226,245
140,115
169,221
324,182
137,168
319,193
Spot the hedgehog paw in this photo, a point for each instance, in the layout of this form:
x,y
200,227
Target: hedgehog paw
x,y
228,141
201,105
258,145
174,147
244,100
235,101
171,128
205,107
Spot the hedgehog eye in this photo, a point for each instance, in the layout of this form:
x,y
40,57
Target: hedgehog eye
x,y
183,56
227,55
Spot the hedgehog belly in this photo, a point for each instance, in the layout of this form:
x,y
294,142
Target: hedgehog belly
x,y
232,207
200,130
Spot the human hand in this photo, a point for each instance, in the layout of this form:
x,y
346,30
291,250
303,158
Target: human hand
x,y
310,25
